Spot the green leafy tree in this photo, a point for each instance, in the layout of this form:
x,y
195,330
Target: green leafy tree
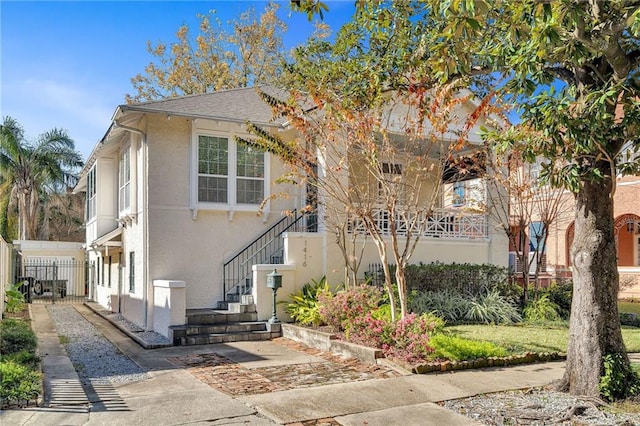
x,y
30,173
571,66
216,58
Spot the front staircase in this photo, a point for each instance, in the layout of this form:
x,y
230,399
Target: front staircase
x,y
237,324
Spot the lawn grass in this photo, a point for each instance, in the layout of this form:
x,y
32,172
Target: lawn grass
x,y
552,337
629,307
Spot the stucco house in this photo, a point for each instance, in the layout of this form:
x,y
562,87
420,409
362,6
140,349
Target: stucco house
x,y
178,229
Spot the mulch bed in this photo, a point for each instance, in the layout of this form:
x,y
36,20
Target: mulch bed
x,y
23,314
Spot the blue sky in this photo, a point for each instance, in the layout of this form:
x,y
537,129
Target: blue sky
x,y
68,64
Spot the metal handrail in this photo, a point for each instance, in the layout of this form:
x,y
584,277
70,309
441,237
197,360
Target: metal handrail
x,y
237,270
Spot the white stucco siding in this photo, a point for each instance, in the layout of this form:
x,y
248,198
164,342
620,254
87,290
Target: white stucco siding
x,y
194,251
189,244
169,161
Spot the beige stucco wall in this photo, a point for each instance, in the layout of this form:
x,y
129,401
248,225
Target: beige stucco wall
x,y
189,245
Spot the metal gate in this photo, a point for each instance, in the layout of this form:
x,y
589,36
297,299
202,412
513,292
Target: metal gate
x,y
53,279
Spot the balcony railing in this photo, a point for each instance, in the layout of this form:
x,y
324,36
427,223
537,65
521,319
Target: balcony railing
x,y
440,223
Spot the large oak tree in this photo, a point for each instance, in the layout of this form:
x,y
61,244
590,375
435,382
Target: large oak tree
x,y
571,67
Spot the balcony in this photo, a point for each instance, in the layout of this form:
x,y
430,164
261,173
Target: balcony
x,y
442,223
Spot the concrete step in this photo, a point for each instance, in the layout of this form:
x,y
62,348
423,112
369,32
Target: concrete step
x,y
234,327
188,335
210,316
240,308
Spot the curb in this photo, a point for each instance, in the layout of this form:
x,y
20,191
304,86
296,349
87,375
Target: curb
x,y
133,335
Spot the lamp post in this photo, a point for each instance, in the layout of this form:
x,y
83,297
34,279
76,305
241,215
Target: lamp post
x,y
274,282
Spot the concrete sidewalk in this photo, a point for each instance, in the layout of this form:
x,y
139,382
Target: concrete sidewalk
x,y
173,396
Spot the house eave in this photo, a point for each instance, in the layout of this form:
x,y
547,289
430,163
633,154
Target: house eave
x,y
123,109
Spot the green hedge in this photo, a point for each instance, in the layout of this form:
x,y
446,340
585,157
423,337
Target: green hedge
x,y
16,336
464,278
20,381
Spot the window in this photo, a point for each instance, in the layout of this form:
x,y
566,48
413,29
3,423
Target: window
x,y
91,194
229,173
98,271
109,274
250,172
102,271
213,169
132,272
537,233
124,179
459,194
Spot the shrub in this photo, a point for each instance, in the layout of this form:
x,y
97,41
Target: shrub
x,y
25,358
16,336
463,278
304,307
18,382
456,348
408,338
541,310
492,308
560,294
449,305
629,319
340,310
617,382
14,298
368,331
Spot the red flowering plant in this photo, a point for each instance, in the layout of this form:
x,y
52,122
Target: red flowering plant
x,y
409,338
357,315
340,310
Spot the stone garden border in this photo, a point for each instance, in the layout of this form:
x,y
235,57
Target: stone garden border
x,y
329,342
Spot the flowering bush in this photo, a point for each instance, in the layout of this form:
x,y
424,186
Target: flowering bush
x,y
357,313
408,338
340,310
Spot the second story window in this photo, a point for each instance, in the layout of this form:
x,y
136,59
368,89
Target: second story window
x,y
229,174
124,182
213,169
250,172
459,194
91,194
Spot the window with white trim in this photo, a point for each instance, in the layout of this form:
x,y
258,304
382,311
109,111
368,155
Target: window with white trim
x,y
91,194
124,182
229,173
250,175
132,272
459,194
213,169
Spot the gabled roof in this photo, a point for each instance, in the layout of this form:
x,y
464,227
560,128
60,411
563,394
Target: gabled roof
x,y
236,105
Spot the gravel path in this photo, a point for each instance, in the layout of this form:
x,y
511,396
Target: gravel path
x,y
95,358
539,407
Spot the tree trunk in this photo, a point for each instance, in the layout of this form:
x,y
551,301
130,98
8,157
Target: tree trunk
x,y
594,329
401,282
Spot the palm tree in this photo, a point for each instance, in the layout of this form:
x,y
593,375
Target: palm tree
x,y
28,172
